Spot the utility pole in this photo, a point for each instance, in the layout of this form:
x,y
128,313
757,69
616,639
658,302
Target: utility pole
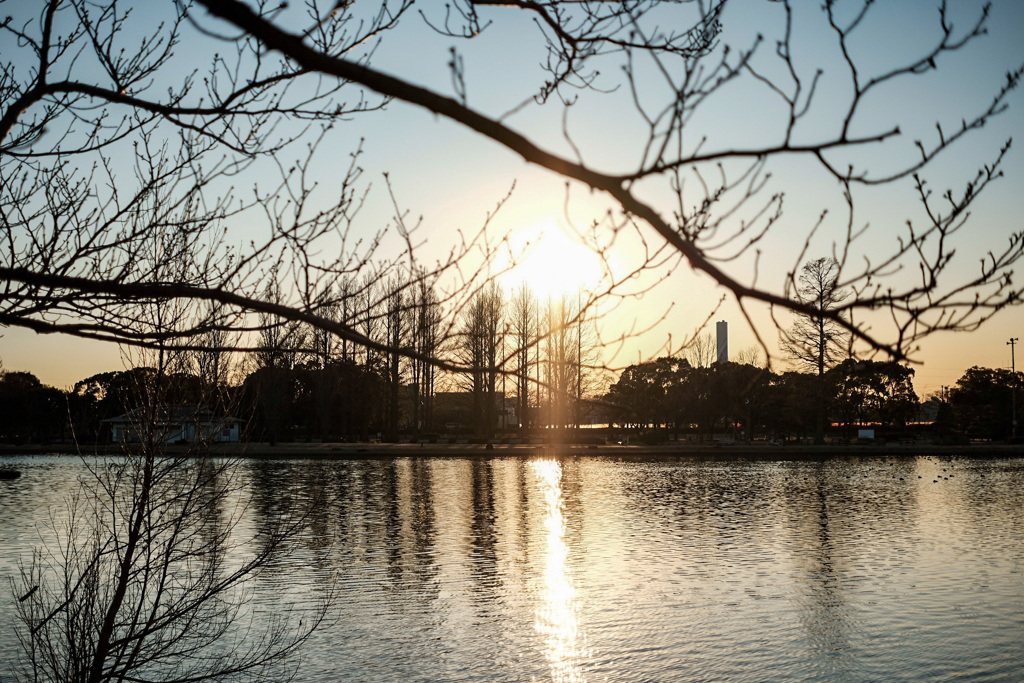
x,y
1013,386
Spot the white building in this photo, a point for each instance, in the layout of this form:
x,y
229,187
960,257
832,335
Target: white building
x,y
173,424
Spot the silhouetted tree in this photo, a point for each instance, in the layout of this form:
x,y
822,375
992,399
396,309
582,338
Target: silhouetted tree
x,y
478,344
817,341
31,412
867,391
525,340
397,336
647,393
427,332
560,361
982,399
818,338
701,351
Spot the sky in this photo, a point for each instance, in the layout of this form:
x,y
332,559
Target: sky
x,y
454,179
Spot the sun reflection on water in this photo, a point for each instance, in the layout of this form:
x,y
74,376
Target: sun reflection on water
x,y
556,615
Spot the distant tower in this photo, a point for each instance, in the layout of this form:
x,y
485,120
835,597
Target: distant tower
x,y
722,328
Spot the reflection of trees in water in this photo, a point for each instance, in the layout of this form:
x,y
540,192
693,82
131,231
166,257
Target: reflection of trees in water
x,y
374,526
387,511
829,504
387,503
452,541
483,560
446,538
513,518
574,483
825,612
419,528
289,490
744,522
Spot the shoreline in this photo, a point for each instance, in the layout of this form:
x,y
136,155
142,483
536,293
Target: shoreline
x,y
343,451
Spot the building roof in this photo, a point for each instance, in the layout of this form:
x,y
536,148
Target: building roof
x,y
172,414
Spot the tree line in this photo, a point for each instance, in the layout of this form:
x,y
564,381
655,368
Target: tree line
x,y
670,396
838,393
302,382
654,399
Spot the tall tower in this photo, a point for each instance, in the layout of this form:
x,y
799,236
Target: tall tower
x,y
722,328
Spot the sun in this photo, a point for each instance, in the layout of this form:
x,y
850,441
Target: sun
x,y
551,261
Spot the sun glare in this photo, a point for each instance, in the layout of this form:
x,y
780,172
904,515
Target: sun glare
x,y
551,261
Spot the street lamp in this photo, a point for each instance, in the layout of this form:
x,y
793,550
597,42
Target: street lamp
x,y
1013,386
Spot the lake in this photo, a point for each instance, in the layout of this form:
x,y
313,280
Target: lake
x,y
595,569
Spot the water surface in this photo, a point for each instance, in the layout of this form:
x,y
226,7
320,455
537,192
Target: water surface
x,y
590,569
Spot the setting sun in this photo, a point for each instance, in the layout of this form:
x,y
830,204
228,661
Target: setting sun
x,y
551,261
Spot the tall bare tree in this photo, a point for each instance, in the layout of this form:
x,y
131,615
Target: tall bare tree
x,y
701,351
750,355
282,343
327,305
817,340
590,378
397,336
525,340
426,330
478,344
561,360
